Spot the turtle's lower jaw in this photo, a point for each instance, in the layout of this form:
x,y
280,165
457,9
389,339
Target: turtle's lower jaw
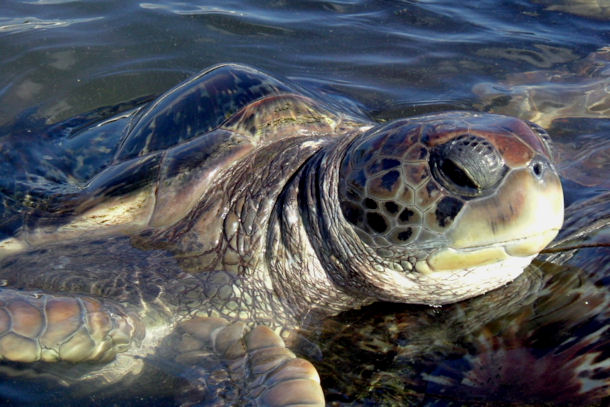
x,y
531,245
440,287
452,275
468,272
451,259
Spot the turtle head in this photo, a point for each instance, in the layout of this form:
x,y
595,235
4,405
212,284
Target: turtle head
x,y
450,205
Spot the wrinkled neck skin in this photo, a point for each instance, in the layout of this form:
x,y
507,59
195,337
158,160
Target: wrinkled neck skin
x,y
278,231
309,252
249,224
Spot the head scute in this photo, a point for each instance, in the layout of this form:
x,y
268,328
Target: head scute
x,y
380,176
405,183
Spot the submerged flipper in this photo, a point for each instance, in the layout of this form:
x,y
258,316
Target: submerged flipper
x,y
253,368
41,327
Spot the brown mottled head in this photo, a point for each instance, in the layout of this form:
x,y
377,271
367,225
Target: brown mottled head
x,y
449,194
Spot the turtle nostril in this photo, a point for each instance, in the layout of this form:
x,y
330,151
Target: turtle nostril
x,y
538,166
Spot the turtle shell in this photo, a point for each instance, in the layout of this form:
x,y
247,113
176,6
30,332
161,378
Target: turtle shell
x,y
195,107
197,127
191,109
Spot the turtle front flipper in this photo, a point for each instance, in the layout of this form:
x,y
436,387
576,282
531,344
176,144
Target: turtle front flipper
x,y
155,190
251,368
42,327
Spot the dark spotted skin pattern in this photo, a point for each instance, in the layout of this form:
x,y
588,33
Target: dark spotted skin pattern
x,y
395,186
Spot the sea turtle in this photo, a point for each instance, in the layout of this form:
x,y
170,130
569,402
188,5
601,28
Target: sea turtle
x,y
576,90
234,209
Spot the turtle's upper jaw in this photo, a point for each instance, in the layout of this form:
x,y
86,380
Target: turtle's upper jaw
x,y
492,241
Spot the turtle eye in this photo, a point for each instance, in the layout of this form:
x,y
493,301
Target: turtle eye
x,y
457,175
467,165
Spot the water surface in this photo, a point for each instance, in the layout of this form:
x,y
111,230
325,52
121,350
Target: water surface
x,y
538,60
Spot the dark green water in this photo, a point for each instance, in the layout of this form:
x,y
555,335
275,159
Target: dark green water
x,y
538,60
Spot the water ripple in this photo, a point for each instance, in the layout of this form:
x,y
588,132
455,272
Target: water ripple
x,y
23,24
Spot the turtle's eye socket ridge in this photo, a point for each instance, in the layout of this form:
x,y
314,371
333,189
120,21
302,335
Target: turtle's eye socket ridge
x,y
468,165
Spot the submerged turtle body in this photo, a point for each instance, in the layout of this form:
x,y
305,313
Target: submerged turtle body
x,y
579,90
597,9
233,197
571,99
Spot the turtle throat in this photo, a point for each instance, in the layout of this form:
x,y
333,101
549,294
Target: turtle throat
x,y
302,253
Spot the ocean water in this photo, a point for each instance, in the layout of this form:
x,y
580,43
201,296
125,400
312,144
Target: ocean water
x,y
545,61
